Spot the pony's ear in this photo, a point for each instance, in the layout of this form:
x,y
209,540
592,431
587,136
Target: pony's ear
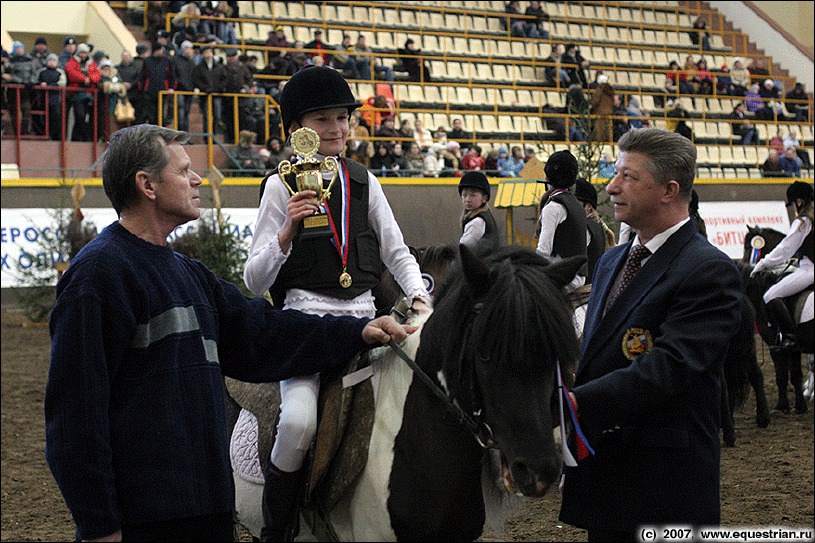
x,y
475,271
563,271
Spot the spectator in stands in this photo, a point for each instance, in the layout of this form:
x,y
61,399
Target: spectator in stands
x,y
163,39
184,67
414,160
405,129
676,116
743,127
440,135
601,109
399,164
777,141
253,110
188,33
433,162
245,155
598,77
541,18
676,81
422,135
233,77
278,152
457,133
554,74
68,50
529,153
83,74
205,77
279,62
791,140
575,65
374,109
188,15
772,166
770,95
637,116
223,29
344,60
739,78
758,69
699,34
703,78
366,60
791,163
511,166
518,26
605,166
23,71
40,52
387,130
473,160
451,155
620,118
752,99
157,75
491,162
382,161
689,69
769,91
129,72
52,76
413,63
320,45
794,104
112,91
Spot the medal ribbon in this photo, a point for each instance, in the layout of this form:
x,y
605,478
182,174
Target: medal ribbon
x,y
342,247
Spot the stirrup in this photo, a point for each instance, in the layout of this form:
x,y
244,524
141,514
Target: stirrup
x,y
784,343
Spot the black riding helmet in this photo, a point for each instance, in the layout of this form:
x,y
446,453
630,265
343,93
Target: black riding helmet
x,y
477,180
584,191
799,189
314,88
561,169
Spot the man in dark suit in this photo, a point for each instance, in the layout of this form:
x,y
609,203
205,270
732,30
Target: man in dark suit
x,y
648,385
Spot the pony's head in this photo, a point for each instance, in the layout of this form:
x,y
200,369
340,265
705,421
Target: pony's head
x,y
500,325
758,242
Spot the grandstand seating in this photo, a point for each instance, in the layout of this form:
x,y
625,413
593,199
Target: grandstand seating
x,y
494,81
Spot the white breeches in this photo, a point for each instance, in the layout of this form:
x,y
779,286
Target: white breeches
x,y
298,421
792,283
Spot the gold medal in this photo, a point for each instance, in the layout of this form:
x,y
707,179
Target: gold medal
x,y
345,279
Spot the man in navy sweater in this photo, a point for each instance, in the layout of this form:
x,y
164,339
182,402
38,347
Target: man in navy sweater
x,y
141,337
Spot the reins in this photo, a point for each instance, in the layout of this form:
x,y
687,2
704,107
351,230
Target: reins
x,y
480,430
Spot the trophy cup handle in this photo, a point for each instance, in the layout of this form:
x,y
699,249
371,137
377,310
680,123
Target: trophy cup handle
x,y
330,163
284,169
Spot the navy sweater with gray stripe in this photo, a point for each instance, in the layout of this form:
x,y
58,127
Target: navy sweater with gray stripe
x,y
134,404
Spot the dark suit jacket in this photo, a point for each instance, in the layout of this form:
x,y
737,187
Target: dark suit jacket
x,y
654,421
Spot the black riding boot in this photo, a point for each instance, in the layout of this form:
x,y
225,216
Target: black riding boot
x,y
780,315
282,493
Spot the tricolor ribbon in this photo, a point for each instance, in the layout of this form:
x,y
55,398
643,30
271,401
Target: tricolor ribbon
x,y
583,447
755,256
342,245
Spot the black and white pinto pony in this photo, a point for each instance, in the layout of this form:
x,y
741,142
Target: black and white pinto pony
x,y
757,242
469,423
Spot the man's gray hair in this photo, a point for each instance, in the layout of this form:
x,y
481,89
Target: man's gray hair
x,y
669,155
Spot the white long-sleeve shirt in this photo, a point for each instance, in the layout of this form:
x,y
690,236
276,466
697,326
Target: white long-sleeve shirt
x,y
552,214
266,256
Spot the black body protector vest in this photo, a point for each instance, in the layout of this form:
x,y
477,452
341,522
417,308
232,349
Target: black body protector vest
x,y
570,236
316,265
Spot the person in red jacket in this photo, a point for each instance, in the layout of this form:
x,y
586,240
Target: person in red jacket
x,y
83,75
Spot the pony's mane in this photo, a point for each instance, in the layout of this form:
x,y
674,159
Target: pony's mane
x,y
525,320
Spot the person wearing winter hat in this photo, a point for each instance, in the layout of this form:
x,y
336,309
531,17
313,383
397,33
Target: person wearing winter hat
x,y
798,242
563,220
69,45
50,76
40,52
319,275
478,226
83,74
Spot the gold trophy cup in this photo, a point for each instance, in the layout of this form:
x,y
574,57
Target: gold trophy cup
x,y
308,174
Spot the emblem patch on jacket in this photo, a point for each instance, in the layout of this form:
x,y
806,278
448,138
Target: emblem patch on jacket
x,y
637,341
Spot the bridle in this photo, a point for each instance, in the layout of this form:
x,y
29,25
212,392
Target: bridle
x,y
472,421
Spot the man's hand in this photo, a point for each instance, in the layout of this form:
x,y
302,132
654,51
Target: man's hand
x,y
384,329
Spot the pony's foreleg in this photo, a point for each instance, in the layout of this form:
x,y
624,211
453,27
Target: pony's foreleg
x,y
797,379
756,378
780,361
